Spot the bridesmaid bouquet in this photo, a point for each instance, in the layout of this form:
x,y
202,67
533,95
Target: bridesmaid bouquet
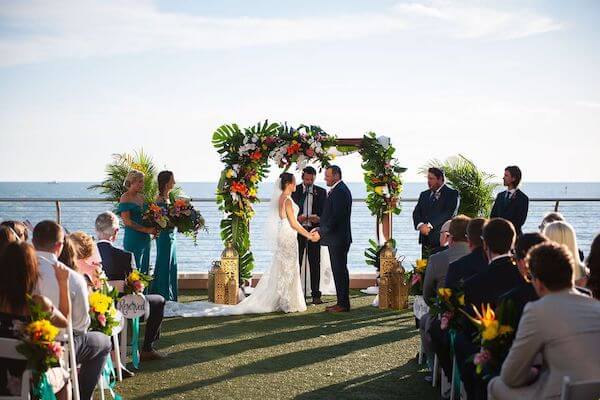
x,y
156,217
183,216
136,282
102,312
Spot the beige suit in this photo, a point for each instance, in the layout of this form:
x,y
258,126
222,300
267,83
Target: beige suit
x,y
564,327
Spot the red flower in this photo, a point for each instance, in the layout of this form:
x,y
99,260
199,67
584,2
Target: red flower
x,y
310,152
293,148
257,155
239,188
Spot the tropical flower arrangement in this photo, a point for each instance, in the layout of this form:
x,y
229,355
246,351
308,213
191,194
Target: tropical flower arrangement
x,y
496,334
156,217
448,306
136,282
417,276
103,313
38,343
183,216
246,154
382,175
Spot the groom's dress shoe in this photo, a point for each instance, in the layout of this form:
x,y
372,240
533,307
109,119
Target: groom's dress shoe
x,y
317,301
330,307
337,309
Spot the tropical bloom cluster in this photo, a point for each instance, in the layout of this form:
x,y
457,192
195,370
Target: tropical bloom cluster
x,y
156,216
102,312
183,216
448,305
382,175
496,334
136,282
417,276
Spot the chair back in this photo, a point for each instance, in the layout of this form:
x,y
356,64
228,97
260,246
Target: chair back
x,y
582,390
8,349
72,361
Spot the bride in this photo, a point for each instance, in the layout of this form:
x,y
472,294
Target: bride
x,y
279,288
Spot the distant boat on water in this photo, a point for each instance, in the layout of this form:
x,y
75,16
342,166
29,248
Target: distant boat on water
x,y
53,183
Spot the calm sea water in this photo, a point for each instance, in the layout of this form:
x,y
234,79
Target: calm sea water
x,y
585,217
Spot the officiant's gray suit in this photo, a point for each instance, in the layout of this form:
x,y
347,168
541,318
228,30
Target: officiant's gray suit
x,y
564,327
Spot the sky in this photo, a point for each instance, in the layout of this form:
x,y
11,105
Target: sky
x,y
504,82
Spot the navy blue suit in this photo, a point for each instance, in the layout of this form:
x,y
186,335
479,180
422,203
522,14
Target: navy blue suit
x,y
514,209
336,233
435,211
464,268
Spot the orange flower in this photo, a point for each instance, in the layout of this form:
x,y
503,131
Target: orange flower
x,y
239,187
293,148
257,155
180,203
154,208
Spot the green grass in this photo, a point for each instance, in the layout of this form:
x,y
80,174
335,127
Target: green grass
x,y
364,354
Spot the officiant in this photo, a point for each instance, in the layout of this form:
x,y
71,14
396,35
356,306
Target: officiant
x,y
310,199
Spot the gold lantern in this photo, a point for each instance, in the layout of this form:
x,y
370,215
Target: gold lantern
x,y
230,261
387,259
232,291
384,289
223,277
220,287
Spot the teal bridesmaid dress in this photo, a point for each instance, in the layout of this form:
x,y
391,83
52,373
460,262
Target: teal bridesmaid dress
x,y
165,269
134,241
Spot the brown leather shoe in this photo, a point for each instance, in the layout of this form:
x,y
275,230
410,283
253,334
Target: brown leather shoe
x,y
151,355
337,309
330,307
316,301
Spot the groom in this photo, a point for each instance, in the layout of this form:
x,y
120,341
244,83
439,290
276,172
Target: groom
x,y
335,233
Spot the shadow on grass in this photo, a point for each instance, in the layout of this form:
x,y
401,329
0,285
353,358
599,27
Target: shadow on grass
x,y
284,362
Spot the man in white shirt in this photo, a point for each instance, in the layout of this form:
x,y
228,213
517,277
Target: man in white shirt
x,y
91,348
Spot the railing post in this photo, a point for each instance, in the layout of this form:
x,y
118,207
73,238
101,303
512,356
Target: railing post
x,y
556,205
57,212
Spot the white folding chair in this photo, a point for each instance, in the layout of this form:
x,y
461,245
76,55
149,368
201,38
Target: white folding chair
x,y
122,346
72,361
8,349
582,390
421,350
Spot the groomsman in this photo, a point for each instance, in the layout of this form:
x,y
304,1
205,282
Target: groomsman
x,y
512,204
310,199
436,206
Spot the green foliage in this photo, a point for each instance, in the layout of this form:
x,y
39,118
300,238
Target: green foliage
x,y
373,252
473,185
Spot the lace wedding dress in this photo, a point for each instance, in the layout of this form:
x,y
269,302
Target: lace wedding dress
x,y
279,288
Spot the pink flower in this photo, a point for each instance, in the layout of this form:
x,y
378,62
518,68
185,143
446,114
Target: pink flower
x,y
138,286
415,279
56,349
310,152
445,320
482,357
102,319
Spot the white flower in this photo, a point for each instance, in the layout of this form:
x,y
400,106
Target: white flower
x,y
254,139
301,161
235,197
236,168
384,141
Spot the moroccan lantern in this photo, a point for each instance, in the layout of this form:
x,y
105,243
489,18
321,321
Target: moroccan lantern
x,y
387,260
230,261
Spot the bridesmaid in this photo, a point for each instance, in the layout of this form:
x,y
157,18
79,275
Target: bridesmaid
x,y
131,209
165,270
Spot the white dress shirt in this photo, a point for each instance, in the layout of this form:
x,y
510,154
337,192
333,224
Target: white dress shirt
x,y
420,224
78,291
308,203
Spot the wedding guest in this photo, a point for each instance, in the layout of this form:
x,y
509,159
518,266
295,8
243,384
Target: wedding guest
x,y
435,277
87,257
593,264
165,269
563,325
91,348
512,204
444,235
310,198
19,228
131,209
117,265
435,206
19,278
486,287
474,262
562,232
68,255
554,216
7,236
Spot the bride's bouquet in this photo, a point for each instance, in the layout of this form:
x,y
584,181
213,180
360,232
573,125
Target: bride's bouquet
x,y
183,216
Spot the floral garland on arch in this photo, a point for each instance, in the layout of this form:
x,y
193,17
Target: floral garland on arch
x,y
246,154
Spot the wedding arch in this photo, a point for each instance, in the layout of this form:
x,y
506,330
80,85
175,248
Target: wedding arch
x,y
246,154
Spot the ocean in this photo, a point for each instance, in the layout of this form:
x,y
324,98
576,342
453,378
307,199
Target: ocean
x,y
584,216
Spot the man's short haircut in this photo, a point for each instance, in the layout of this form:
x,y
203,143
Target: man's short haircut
x,y
106,223
525,242
499,235
475,231
309,171
458,228
336,170
437,172
515,172
552,264
46,234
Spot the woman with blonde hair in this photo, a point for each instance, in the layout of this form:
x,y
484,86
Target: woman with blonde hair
x,y
137,238
562,232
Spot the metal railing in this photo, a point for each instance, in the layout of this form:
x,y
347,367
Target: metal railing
x,y
58,200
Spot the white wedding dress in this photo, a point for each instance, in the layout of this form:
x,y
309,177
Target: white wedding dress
x,y
279,288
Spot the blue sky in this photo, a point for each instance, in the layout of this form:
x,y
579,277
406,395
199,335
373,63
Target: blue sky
x,y
507,82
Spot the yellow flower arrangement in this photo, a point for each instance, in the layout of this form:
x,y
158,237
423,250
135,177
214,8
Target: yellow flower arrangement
x,y
99,302
445,293
379,190
230,173
42,330
420,265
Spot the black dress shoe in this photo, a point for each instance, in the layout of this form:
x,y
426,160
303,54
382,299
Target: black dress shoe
x,y
125,373
317,301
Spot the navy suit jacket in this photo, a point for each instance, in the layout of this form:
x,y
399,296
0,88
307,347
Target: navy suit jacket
x,y
335,227
116,263
464,268
515,210
319,198
435,212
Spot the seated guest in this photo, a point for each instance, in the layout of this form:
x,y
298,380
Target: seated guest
x,y
68,255
525,292
19,228
87,256
562,232
512,204
443,238
471,264
18,278
117,265
564,326
593,264
486,287
7,236
550,217
91,348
